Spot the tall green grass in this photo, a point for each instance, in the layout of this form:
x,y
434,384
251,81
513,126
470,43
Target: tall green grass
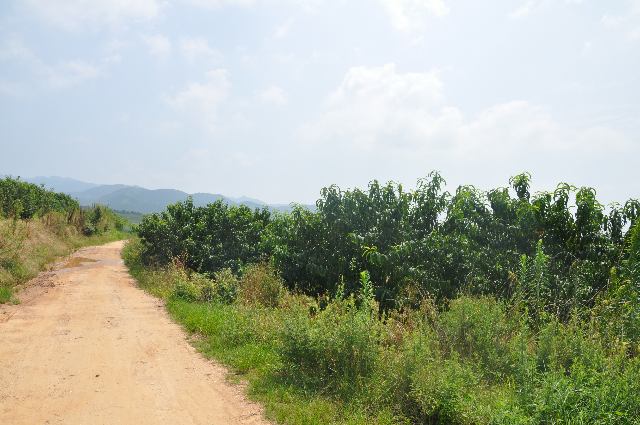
x,y
472,360
28,246
6,294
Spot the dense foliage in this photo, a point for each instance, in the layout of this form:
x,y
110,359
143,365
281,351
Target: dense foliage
x,y
472,360
213,238
426,240
414,306
25,200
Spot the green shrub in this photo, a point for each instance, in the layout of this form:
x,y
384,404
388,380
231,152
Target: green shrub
x,y
15,268
445,390
187,290
214,237
260,284
226,287
335,349
25,200
6,294
478,329
604,391
473,362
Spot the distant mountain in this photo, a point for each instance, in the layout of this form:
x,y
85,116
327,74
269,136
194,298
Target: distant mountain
x,y
243,199
148,201
90,196
202,199
141,200
61,184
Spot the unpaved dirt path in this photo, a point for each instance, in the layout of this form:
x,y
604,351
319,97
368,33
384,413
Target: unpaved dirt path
x,y
87,347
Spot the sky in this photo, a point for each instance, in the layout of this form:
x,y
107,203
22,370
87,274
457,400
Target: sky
x,y
276,99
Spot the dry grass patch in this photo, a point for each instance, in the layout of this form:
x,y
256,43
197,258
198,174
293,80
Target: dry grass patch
x,y
29,246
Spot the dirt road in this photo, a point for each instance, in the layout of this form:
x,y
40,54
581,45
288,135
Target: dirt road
x,y
87,347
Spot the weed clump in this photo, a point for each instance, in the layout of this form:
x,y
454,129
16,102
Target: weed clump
x,y
335,350
261,285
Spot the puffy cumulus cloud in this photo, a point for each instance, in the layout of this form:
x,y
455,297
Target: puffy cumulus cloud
x,y
63,74
79,14
274,94
373,102
195,47
159,46
507,131
387,116
408,14
201,101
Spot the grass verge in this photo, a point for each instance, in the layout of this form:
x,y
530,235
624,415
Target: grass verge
x,y
27,247
473,361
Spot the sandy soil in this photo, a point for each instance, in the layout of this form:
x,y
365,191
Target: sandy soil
x,y
87,347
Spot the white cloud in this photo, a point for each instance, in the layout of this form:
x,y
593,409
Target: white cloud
x,y
79,14
366,83
284,29
599,140
65,74
159,45
508,130
275,95
116,45
112,59
198,46
408,14
70,73
201,101
522,11
15,49
372,102
587,48
530,5
378,112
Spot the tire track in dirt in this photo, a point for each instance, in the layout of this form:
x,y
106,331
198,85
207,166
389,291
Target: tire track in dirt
x,y
87,347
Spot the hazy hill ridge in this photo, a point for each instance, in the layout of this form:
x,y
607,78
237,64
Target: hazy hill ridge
x,y
61,184
139,199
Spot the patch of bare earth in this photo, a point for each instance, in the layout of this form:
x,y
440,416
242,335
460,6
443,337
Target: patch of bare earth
x,y
86,346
